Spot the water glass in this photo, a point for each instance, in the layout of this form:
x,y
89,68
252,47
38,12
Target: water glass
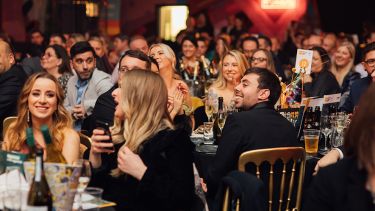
x,y
208,133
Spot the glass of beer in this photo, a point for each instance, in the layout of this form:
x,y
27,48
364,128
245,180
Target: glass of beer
x,y
311,141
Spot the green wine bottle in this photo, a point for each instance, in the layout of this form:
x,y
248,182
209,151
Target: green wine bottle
x,y
40,197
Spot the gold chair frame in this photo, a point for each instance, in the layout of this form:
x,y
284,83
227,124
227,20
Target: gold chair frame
x,y
271,155
6,123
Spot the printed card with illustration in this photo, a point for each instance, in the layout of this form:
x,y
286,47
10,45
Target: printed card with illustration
x,y
303,61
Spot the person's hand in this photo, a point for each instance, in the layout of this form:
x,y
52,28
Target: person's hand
x,y
131,163
170,103
183,88
175,103
204,185
79,111
97,145
330,158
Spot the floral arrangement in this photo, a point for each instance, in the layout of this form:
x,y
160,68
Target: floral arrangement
x,y
292,90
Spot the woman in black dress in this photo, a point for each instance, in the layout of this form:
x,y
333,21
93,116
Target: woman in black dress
x,y
321,81
150,167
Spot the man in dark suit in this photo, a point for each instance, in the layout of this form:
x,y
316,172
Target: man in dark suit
x,y
12,78
360,86
105,105
259,126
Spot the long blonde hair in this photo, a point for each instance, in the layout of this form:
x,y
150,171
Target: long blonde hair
x,y
168,52
144,99
345,70
15,136
243,64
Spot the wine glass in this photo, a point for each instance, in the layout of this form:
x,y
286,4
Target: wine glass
x,y
209,109
326,129
83,180
221,120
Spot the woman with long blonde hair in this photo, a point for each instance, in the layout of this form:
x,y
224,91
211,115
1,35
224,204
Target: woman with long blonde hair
x,y
178,91
234,65
150,168
41,103
342,68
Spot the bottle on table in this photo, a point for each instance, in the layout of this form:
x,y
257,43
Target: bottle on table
x,y
317,114
40,197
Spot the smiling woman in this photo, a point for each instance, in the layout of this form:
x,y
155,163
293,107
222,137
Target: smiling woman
x,y
41,103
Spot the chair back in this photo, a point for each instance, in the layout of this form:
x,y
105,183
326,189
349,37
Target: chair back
x,y
271,155
85,143
84,140
6,123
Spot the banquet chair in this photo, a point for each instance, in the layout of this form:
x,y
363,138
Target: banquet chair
x,y
85,143
272,156
6,123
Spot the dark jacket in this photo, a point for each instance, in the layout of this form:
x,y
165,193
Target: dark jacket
x,y
339,187
259,128
11,83
358,88
348,81
323,83
168,183
243,186
104,111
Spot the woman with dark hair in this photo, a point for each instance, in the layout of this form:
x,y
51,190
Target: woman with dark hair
x,y
350,183
189,65
56,62
321,81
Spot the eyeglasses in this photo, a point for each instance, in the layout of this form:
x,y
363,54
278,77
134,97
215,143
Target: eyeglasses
x,y
259,59
370,62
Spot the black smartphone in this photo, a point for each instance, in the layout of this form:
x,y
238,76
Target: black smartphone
x,y
105,127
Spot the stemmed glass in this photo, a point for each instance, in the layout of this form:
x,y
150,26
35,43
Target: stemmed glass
x,y
210,105
209,109
340,124
84,179
326,129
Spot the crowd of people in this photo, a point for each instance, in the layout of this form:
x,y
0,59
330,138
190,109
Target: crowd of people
x,y
145,90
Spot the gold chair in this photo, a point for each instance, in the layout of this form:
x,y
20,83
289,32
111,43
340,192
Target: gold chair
x,y
85,143
285,154
6,123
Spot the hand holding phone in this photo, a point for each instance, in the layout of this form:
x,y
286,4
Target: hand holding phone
x,y
104,126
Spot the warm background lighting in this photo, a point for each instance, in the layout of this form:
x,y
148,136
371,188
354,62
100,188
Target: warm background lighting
x,y
278,4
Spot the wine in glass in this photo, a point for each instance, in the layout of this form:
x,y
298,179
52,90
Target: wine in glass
x,y
326,129
209,109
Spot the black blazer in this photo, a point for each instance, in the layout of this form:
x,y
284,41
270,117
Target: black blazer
x,y
259,128
358,88
323,83
11,83
168,183
340,187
